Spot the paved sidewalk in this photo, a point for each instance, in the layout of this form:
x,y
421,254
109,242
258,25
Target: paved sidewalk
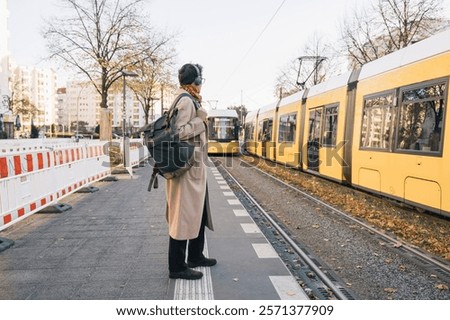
x,y
111,245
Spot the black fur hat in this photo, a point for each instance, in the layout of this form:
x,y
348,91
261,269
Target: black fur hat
x,y
189,72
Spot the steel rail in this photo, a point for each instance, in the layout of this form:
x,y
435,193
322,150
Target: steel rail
x,y
321,275
404,244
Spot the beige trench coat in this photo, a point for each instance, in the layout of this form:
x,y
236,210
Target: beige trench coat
x,y
186,194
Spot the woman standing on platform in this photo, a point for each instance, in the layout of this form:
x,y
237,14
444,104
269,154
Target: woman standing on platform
x,y
188,210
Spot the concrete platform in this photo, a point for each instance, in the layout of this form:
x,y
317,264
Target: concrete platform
x,y
113,245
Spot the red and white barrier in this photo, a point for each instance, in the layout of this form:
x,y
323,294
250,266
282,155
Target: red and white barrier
x,y
37,173
134,150
138,152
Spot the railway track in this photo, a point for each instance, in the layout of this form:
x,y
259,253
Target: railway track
x,y
318,283
317,278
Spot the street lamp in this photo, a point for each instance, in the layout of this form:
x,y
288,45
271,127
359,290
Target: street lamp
x,y
83,86
124,109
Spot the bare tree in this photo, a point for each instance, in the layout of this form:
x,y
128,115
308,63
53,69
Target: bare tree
x,y
101,39
388,26
155,77
241,111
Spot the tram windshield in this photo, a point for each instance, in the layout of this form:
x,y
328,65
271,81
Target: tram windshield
x,y
222,129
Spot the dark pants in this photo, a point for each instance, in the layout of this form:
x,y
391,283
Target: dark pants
x,y
177,248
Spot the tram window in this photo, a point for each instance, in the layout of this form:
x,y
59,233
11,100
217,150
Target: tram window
x,y
330,126
421,118
315,119
377,122
222,128
249,131
286,131
265,130
260,131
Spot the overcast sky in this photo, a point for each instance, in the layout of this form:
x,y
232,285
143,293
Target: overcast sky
x,y
242,45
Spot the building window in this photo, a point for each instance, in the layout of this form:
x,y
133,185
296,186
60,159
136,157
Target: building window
x,y
377,121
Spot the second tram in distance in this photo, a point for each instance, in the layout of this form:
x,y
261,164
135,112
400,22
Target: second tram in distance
x,y
223,132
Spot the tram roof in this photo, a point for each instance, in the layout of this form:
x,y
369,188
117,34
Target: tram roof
x,y
268,107
251,116
330,84
292,98
426,48
228,113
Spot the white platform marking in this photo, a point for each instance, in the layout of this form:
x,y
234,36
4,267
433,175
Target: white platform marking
x,y
221,182
228,193
264,250
233,201
225,187
240,213
287,288
250,228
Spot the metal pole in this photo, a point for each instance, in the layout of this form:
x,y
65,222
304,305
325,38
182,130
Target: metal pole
x,y
124,114
162,99
124,119
78,115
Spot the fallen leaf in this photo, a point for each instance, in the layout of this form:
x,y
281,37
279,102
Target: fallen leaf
x,y
390,290
441,286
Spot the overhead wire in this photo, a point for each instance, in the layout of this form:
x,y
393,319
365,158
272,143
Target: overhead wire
x,y
252,46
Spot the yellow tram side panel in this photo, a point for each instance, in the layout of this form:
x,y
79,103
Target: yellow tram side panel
x,y
231,147
288,153
266,149
422,180
330,158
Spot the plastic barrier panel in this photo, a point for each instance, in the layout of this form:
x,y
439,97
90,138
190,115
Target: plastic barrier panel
x,y
37,173
138,152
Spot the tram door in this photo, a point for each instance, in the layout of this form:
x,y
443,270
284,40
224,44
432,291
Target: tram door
x,y
266,137
315,122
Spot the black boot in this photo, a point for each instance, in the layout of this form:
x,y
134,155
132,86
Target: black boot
x,y
187,274
204,262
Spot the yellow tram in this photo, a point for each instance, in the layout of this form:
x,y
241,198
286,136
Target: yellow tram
x,y
380,128
223,132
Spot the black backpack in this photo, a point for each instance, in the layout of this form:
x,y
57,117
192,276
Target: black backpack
x,y
170,157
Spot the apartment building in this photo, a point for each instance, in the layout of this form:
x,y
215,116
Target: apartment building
x,y
80,102
33,90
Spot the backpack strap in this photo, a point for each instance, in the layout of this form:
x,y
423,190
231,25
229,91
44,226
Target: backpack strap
x,y
153,180
171,111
